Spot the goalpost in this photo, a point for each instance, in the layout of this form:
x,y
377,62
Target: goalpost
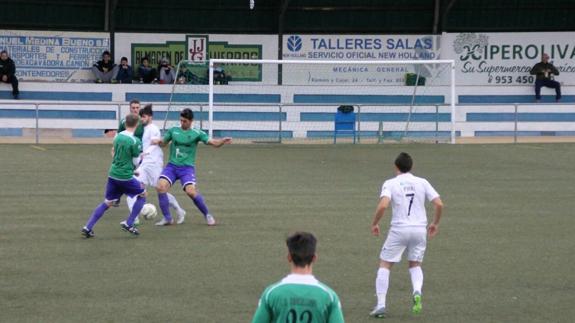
x,y
298,100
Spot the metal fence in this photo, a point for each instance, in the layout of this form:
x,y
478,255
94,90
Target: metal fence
x,y
44,122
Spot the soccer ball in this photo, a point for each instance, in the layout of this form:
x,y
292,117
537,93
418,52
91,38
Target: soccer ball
x,y
149,211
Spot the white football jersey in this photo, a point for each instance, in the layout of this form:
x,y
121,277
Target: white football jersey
x,y
408,194
153,154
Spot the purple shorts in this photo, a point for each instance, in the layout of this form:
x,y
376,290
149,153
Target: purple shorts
x,y
186,174
116,188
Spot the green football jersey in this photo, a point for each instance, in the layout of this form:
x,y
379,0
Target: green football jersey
x,y
184,144
126,148
138,133
299,299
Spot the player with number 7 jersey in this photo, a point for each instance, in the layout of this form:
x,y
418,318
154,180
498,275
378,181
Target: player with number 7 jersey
x,y
407,195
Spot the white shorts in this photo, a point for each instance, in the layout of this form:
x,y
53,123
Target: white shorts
x,y
400,238
149,174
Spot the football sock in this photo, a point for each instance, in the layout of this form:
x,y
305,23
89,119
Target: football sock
x,y
381,286
137,208
130,200
96,215
173,202
165,205
200,204
416,278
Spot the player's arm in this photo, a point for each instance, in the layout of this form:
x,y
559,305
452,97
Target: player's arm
x,y
217,143
379,212
136,153
263,312
162,142
433,227
122,126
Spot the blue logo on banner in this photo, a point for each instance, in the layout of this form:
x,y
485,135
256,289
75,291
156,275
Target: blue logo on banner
x,y
294,43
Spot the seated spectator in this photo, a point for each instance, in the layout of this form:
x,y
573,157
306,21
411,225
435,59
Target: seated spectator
x,y
105,69
220,76
544,72
8,73
166,72
146,73
185,76
124,74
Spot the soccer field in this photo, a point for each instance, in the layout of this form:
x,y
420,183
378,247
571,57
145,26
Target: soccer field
x,y
504,252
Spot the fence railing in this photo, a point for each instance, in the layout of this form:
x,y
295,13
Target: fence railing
x,y
280,122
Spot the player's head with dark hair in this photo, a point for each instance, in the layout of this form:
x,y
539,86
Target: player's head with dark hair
x,y
146,111
403,162
146,114
131,120
4,54
301,248
187,113
106,55
186,118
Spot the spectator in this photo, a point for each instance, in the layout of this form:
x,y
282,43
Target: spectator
x,y
146,73
220,76
105,69
124,74
185,76
544,72
166,72
8,73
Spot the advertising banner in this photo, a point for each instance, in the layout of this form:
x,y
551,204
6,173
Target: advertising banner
x,y
506,59
200,48
357,47
52,55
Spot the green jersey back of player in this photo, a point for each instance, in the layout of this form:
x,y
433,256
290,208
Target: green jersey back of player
x,y
126,148
299,299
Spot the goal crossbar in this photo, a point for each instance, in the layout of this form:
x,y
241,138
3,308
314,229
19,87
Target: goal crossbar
x,y
212,62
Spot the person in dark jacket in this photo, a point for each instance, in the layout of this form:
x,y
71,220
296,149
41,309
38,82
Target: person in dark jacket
x,y
124,74
105,69
146,73
544,72
8,72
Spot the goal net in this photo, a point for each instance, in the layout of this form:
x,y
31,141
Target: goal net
x,y
321,101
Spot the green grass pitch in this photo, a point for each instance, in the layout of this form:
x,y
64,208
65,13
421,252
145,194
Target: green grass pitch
x,y
504,252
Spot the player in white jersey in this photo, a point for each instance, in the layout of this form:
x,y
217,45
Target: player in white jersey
x,y
406,194
152,162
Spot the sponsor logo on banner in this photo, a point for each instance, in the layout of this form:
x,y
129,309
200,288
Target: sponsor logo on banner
x,y
358,48
294,43
506,59
54,56
201,49
197,48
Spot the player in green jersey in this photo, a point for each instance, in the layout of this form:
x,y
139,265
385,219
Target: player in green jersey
x,y
183,143
299,297
138,131
127,149
134,109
